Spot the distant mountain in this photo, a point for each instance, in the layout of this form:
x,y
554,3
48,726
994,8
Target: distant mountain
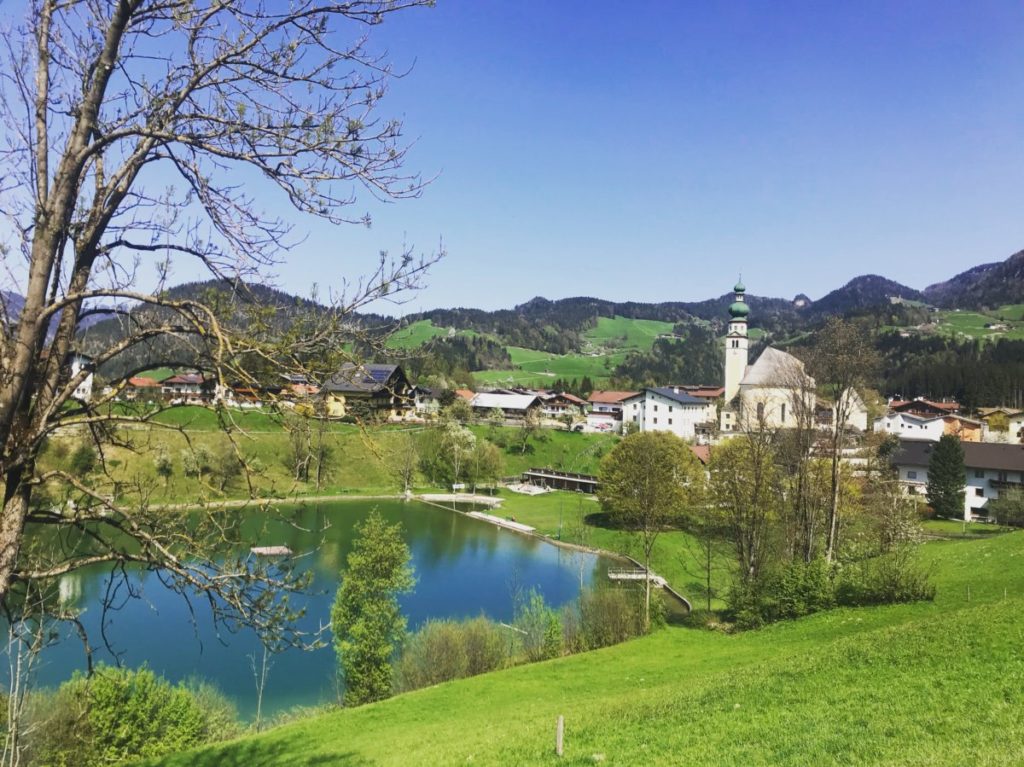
x,y
985,286
861,294
12,304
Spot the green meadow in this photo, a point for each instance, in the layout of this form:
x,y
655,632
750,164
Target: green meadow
x,y
937,683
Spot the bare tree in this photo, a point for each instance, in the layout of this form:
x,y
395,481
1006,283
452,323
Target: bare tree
x,y
135,135
843,361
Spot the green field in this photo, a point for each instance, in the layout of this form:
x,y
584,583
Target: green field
x,y
625,333
415,335
972,324
925,684
536,368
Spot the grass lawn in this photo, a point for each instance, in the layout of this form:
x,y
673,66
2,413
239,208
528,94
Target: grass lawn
x,y
953,529
922,684
536,368
972,324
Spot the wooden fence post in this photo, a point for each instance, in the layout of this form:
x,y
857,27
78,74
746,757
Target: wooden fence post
x,y
559,734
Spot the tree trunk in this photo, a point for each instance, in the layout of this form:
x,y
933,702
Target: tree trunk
x,y
11,525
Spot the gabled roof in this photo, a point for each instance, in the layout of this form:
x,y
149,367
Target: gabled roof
x,y
362,378
987,412
776,368
977,455
490,400
703,453
572,398
707,392
676,394
466,394
142,382
924,404
610,397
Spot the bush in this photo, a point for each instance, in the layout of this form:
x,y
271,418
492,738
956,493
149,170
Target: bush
x,y
122,714
889,579
443,650
540,627
787,592
83,460
610,615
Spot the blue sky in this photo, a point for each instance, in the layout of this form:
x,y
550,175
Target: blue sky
x,y
650,151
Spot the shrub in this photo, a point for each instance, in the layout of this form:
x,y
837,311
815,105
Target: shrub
x,y
83,460
789,591
540,629
122,714
889,579
610,615
443,650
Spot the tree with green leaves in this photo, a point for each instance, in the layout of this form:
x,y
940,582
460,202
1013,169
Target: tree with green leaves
x,y
648,481
946,483
366,620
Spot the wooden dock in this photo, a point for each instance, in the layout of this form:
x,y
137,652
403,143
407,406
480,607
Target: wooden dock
x,y
635,574
271,551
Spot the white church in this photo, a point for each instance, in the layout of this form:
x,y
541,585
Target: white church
x,y
769,394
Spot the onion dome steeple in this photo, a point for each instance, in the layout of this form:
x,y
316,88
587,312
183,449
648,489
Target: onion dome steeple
x,y
739,310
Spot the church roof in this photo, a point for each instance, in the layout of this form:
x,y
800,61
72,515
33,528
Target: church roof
x,y
775,368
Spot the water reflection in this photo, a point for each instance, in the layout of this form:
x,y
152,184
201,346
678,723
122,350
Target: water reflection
x,y
464,567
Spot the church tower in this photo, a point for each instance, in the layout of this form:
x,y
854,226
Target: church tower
x,y
736,343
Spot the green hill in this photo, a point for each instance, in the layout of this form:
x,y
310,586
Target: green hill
x,y
923,684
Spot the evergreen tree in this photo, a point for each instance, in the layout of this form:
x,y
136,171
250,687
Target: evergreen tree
x,y
946,478
367,623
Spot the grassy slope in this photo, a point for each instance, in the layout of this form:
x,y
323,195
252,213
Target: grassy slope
x,y
921,684
358,465
611,339
416,334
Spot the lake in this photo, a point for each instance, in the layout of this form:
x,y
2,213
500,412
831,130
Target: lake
x,y
464,567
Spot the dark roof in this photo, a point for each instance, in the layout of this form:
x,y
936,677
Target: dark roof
x,y
361,378
675,394
977,455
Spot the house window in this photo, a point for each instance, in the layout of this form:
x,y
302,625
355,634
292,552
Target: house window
x,y
655,408
655,419
979,474
911,475
670,408
783,412
980,492
1002,476
760,411
669,421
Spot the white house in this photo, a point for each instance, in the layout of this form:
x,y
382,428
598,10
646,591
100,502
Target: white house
x,y
990,469
667,409
81,363
909,426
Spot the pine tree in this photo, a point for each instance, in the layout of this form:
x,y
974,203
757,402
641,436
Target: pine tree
x,y
946,478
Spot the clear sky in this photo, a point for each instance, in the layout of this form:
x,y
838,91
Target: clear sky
x,y
650,151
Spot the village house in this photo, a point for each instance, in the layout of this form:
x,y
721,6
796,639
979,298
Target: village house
x,y
1004,424
188,389
381,391
81,363
931,428
606,410
514,407
558,404
991,469
924,407
668,409
425,401
141,388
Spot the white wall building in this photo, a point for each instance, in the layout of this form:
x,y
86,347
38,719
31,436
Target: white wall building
x,y
908,426
990,469
78,364
668,409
